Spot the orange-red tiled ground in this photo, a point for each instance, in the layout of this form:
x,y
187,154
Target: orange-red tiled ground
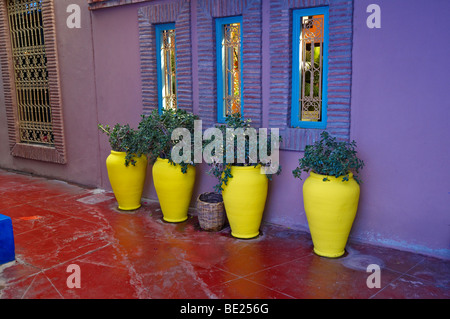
x,y
137,255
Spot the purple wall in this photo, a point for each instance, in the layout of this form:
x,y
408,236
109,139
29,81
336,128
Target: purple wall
x,y
400,119
117,72
399,115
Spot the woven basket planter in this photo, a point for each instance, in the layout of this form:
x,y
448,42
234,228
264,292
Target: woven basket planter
x,y
211,211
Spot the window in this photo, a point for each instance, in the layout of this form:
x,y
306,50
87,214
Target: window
x,y
30,72
166,66
151,18
310,68
229,66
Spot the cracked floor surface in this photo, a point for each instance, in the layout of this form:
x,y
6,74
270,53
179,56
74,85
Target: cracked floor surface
x,y
137,255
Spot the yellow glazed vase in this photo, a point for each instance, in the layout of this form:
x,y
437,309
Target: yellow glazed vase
x,y
127,182
330,208
244,198
174,189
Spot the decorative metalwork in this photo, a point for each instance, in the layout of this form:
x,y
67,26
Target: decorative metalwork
x,y
311,54
169,69
231,47
30,71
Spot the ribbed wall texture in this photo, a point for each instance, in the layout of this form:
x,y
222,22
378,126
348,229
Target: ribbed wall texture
x,y
100,4
280,46
207,10
178,12
339,70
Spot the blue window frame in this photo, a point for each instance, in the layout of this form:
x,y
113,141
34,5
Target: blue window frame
x,y
166,66
309,68
229,66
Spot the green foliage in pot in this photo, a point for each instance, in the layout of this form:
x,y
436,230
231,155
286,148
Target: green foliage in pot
x,y
123,138
230,153
328,156
156,130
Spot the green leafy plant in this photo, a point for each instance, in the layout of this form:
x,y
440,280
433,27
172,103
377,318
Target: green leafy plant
x,y
308,66
156,130
328,156
220,167
123,138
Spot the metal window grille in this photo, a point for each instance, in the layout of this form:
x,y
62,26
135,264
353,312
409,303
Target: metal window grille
x,y
169,94
30,71
231,48
311,55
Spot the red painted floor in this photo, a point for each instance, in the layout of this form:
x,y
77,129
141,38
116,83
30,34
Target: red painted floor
x,y
137,255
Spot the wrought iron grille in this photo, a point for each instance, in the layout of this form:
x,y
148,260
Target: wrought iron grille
x,y
231,46
311,54
169,69
30,71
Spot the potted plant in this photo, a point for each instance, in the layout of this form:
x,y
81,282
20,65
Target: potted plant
x,y
173,179
127,181
242,175
330,193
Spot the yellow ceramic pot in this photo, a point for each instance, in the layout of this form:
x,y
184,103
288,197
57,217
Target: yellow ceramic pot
x,y
127,182
330,208
174,189
244,198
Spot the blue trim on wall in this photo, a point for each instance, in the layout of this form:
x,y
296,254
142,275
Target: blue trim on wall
x,y
220,22
159,67
296,31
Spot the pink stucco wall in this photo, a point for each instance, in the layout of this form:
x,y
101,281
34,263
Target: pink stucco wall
x,y
117,71
399,116
79,106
